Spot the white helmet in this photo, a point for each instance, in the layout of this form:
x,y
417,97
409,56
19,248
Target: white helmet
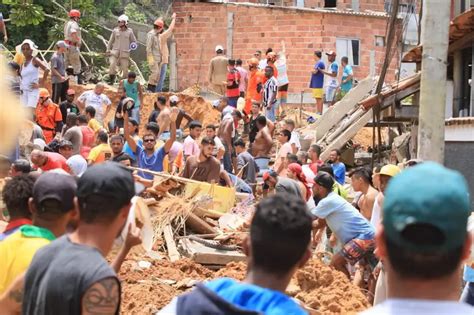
x,y
123,18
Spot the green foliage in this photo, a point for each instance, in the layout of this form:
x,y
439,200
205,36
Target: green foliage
x,y
26,14
134,13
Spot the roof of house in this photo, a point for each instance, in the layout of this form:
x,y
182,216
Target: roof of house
x,y
367,13
461,35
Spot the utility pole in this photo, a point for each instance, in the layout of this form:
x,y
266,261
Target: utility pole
x,y
435,41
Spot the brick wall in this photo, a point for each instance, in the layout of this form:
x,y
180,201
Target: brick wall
x,y
304,31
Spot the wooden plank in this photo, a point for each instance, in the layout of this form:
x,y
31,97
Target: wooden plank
x,y
335,113
173,253
209,256
199,225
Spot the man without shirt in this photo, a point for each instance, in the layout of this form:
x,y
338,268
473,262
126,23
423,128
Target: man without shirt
x,y
163,119
203,167
277,246
262,145
227,134
423,241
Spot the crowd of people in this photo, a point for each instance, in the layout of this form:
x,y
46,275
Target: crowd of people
x,y
402,236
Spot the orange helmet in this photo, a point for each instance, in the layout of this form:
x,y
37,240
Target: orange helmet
x,y
252,61
75,13
159,22
43,93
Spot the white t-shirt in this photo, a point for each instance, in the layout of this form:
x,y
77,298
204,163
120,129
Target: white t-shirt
x,y
295,138
218,145
375,218
419,307
90,98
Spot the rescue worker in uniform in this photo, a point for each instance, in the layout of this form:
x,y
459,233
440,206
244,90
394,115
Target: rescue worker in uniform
x,y
153,54
163,37
121,42
48,116
217,75
72,37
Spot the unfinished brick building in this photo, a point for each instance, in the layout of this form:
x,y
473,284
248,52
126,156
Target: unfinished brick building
x,y
243,28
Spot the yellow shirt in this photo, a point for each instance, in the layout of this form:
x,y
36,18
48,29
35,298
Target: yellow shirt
x,y
94,124
17,252
100,153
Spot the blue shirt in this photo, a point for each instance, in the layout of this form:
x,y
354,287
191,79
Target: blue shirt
x,y
153,162
343,219
128,150
317,79
255,298
339,170
345,73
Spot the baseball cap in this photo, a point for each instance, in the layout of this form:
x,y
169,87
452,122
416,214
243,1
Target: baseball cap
x,y
77,164
331,53
109,180
65,143
427,195
71,92
62,44
390,170
324,179
219,47
55,186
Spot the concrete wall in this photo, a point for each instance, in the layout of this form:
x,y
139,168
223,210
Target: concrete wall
x,y
304,31
458,156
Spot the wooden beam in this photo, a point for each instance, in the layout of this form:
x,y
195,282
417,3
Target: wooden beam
x,y
173,253
465,41
199,225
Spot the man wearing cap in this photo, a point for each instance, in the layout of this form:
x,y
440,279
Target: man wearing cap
x,y
68,105
120,44
73,38
346,222
65,148
52,208
332,73
217,75
59,80
48,116
47,161
154,54
103,198
423,241
281,184
163,40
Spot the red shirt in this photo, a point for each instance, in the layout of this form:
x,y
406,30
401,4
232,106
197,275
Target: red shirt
x,y
87,141
55,160
233,80
314,166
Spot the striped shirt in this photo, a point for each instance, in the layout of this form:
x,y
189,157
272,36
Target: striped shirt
x,y
270,91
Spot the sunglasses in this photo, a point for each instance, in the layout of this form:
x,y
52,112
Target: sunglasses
x,y
148,140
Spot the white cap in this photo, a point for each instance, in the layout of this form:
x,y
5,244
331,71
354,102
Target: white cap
x,y
40,143
123,18
219,47
174,99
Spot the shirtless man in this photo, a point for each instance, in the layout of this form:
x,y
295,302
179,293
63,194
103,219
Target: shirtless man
x,y
263,144
362,182
227,134
174,101
163,119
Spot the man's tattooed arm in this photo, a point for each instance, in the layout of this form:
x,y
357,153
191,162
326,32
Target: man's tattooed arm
x,y
102,298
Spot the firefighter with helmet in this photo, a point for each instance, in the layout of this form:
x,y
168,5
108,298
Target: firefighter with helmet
x,y
122,41
153,53
73,38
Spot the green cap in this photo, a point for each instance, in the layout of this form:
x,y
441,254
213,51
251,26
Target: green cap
x,y
427,194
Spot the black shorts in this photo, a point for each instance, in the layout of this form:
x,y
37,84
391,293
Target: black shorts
x,y
283,88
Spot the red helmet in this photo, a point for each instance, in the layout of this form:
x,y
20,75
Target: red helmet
x,y
75,13
159,23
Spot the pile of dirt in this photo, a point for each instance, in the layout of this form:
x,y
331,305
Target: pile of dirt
x,y
327,290
147,290
364,137
235,270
